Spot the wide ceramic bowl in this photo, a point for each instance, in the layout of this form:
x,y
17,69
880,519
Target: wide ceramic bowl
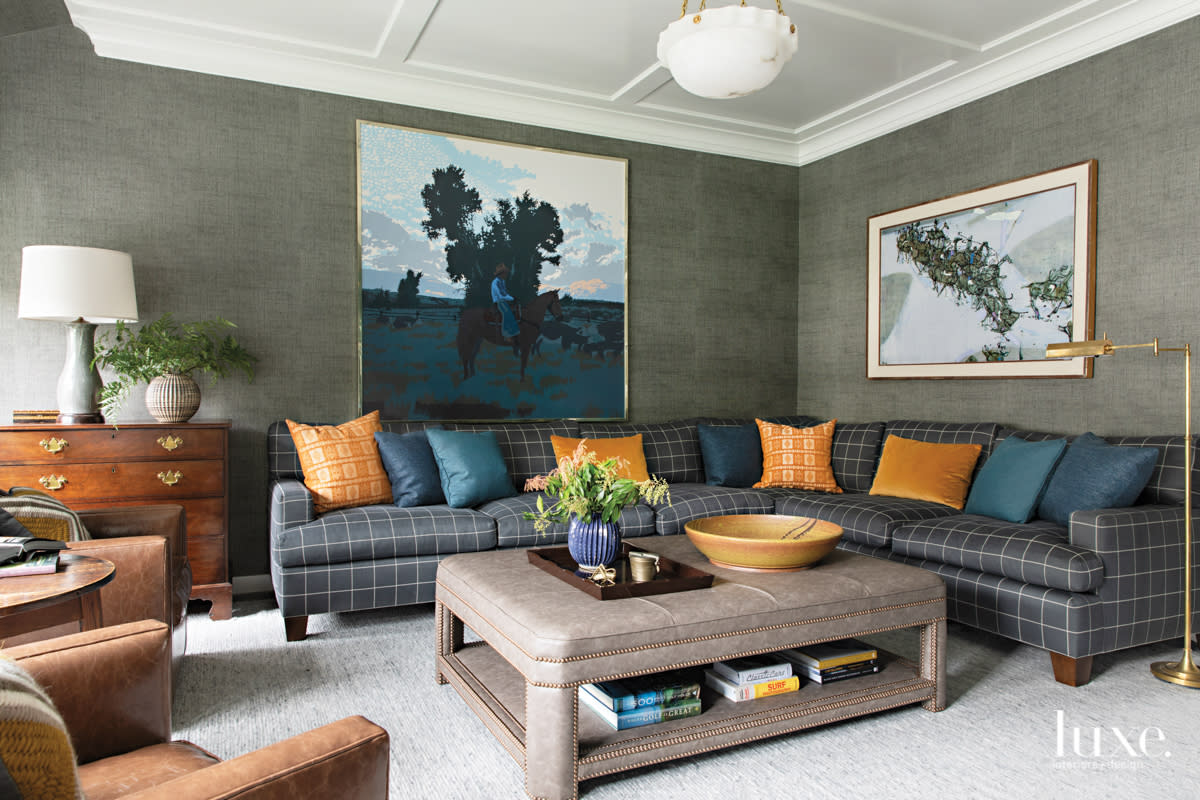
x,y
763,542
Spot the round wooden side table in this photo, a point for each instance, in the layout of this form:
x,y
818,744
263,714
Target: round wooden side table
x,y
32,602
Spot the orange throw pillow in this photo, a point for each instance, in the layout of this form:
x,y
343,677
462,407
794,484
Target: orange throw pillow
x,y
628,448
939,473
341,463
797,458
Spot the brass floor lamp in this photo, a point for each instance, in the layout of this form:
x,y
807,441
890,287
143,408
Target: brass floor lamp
x,y
1183,671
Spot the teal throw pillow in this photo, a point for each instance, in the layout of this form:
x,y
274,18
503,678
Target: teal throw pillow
x,y
1096,474
411,468
1011,481
732,454
471,466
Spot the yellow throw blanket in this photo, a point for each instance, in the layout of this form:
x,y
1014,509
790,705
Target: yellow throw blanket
x,y
36,758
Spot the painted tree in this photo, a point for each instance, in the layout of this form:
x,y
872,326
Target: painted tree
x,y
409,289
523,233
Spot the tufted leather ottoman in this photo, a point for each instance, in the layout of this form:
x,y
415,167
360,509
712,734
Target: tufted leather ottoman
x,y
542,638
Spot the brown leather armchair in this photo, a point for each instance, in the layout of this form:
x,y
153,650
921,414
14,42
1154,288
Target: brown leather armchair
x,y
148,545
112,687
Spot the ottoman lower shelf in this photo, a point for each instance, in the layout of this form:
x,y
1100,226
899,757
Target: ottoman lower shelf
x,y
496,692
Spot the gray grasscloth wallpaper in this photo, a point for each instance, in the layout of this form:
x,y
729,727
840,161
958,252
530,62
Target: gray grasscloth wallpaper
x,y
237,199
1135,109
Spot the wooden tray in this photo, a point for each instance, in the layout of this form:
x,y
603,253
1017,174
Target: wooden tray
x,y
672,576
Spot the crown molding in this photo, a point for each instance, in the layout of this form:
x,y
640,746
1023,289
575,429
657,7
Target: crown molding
x,y
597,115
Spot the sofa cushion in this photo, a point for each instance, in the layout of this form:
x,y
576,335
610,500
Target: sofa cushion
x,y
939,473
797,458
513,530
732,454
341,463
284,462
865,518
525,445
1010,484
471,467
1096,474
412,470
1036,553
672,448
691,501
980,433
627,449
855,453
381,532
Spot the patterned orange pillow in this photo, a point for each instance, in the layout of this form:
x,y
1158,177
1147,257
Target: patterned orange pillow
x,y
627,447
797,458
341,463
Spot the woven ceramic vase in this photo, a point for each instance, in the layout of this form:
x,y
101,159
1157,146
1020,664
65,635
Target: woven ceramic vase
x,y
173,397
593,543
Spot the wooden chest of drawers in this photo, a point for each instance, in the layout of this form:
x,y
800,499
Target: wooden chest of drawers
x,y
100,466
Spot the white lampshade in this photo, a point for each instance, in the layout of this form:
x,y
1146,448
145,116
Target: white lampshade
x,y
64,284
727,52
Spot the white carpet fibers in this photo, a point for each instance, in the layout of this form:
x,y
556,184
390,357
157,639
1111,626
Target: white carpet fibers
x,y
242,687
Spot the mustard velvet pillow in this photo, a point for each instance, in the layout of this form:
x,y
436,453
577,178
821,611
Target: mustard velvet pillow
x,y
628,448
939,473
797,458
341,463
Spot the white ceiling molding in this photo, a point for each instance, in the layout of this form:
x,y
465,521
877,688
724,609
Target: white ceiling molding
x,y
866,74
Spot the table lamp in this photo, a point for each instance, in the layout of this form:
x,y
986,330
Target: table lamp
x,y
1183,671
83,287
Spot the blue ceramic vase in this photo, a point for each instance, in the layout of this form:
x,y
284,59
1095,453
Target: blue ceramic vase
x,y
594,543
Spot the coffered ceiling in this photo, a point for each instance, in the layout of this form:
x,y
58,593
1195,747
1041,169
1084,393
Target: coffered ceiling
x,y
864,67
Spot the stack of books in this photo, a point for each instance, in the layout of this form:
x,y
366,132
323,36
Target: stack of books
x,y
28,555
643,700
833,661
752,677
34,416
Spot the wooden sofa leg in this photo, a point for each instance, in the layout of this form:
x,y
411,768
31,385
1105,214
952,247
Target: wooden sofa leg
x,y
296,628
1071,671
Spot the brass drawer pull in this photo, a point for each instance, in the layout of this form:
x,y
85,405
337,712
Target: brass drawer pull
x,y
169,442
53,444
170,477
53,482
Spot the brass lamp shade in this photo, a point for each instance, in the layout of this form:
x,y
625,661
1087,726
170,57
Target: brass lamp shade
x,y
1092,347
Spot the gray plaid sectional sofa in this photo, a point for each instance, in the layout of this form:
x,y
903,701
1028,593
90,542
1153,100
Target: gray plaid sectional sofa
x,y
1110,580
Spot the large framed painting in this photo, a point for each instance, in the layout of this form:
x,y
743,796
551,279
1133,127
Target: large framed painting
x,y
493,279
976,285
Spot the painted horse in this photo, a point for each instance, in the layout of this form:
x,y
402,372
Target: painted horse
x,y
474,326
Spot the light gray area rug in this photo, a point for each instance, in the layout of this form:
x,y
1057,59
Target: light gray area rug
x,y
1009,731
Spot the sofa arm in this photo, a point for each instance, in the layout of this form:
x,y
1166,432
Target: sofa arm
x,y
347,759
1121,535
291,505
167,520
111,685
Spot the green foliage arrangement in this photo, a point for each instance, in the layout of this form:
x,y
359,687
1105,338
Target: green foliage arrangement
x,y
586,485
165,347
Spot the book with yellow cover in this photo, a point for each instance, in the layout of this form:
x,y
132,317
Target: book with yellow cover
x,y
737,692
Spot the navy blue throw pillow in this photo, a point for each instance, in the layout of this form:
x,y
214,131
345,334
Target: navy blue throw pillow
x,y
1096,474
1011,481
732,454
411,468
471,466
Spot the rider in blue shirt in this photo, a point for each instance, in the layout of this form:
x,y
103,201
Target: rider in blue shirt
x,y
500,296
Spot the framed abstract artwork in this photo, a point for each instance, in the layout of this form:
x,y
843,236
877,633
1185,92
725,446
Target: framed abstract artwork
x,y
493,279
976,285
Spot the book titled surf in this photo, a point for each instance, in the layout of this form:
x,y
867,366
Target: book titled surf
x,y
646,690
750,691
646,715
753,669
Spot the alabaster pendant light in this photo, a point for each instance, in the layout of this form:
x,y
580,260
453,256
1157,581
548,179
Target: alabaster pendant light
x,y
727,52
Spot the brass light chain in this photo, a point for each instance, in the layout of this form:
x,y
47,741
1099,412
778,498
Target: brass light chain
x,y
683,13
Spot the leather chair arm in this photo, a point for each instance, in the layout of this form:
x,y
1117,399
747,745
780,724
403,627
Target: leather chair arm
x,y
111,685
165,519
141,586
347,759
